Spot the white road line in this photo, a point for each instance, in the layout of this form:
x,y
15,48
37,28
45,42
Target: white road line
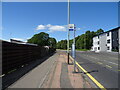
x,y
113,63
2,75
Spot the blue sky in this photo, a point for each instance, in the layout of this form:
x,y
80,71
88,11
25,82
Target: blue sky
x,y
21,20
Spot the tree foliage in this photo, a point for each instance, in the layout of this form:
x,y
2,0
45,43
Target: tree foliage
x,y
52,42
43,39
83,41
62,44
99,31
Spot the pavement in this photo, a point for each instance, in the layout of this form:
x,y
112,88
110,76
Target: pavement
x,y
53,73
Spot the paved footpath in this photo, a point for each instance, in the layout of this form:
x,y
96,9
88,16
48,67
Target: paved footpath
x,y
52,73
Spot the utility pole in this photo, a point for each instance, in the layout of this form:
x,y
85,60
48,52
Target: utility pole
x,y
68,29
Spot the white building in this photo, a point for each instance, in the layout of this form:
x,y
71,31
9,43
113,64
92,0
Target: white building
x,y
107,41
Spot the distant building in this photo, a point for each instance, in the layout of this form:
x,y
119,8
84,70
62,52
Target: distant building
x,y
21,42
17,41
107,42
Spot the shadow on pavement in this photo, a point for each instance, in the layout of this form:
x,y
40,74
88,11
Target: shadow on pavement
x,y
87,72
12,77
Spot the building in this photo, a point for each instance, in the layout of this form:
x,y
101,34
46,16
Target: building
x,y
107,42
21,42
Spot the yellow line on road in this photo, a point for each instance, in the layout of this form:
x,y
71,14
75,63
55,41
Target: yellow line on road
x,y
118,70
99,63
90,76
108,66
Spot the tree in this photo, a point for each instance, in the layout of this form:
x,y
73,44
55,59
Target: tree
x,y
42,39
99,31
83,41
80,43
62,44
52,42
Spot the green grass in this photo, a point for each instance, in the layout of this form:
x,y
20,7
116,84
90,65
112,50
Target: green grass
x,y
61,49
82,49
76,49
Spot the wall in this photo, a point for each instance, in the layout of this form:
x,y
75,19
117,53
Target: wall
x,y
109,44
14,55
95,44
115,39
103,42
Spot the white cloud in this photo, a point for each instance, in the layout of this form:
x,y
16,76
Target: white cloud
x,y
49,25
78,28
57,28
41,27
52,28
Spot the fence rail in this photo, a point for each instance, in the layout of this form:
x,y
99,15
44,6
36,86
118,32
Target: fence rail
x,y
14,55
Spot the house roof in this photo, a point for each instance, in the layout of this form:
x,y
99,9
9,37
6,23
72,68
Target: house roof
x,y
109,31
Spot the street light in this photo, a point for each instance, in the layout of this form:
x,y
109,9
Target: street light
x,y
68,29
71,27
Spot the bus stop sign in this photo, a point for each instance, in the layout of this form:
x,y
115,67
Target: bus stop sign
x,y
71,27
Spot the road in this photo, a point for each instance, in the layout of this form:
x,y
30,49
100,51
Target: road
x,y
102,66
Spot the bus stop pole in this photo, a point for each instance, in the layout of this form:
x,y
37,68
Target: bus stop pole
x,y
74,52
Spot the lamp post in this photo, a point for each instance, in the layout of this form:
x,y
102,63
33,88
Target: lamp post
x,y
68,29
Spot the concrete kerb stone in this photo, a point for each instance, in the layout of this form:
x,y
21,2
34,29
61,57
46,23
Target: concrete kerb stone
x,y
56,78
87,81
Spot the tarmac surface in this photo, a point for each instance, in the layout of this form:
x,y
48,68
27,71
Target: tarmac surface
x,y
102,66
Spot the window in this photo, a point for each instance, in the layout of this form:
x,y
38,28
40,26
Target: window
x,y
98,48
107,33
108,41
108,48
98,36
116,48
98,42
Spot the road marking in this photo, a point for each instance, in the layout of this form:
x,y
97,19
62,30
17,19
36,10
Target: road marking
x,y
108,66
113,63
90,76
118,70
12,71
99,63
2,75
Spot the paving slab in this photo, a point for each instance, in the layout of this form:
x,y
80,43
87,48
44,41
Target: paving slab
x,y
53,73
62,76
36,77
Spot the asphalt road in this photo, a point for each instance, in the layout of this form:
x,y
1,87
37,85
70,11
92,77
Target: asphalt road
x,y
102,66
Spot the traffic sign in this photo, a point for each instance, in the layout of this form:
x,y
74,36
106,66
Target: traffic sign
x,y
71,27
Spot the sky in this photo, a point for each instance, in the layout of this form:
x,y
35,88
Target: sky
x,y
21,20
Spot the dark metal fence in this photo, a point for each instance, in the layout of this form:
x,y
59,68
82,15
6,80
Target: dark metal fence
x,y
15,55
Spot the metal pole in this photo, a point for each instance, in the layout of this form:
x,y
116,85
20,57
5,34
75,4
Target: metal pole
x,y
68,29
74,52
